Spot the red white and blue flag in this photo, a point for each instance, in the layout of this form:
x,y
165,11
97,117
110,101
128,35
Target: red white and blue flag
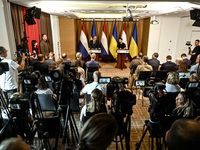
x,y
124,37
104,42
83,43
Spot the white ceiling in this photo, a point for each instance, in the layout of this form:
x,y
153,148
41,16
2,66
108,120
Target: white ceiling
x,y
109,9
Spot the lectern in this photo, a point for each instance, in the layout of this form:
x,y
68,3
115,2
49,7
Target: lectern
x,y
97,52
121,58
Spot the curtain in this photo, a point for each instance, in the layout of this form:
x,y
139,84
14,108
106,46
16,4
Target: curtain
x,y
45,27
32,32
17,20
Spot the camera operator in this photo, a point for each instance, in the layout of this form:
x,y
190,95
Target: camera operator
x,y
184,106
195,52
90,87
8,80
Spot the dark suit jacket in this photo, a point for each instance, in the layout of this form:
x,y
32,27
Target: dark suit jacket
x,y
155,64
42,67
168,64
95,45
92,63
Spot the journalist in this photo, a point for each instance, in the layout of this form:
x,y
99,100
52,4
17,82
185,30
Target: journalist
x,y
8,80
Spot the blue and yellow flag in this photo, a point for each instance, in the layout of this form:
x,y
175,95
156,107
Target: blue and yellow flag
x,y
93,33
113,42
133,48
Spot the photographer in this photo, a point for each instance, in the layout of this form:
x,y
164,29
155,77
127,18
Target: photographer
x,y
8,80
195,52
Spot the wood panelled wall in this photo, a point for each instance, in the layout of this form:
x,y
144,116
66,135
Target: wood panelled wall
x,y
70,30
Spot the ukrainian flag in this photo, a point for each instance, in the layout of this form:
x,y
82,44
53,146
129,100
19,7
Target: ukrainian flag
x,y
133,48
93,33
113,42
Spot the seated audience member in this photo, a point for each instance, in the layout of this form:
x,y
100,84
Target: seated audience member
x,y
58,62
184,58
50,61
168,65
184,134
90,87
64,57
135,62
79,57
81,71
40,65
184,106
92,62
172,83
43,89
94,106
183,70
194,68
14,144
194,77
98,132
143,67
154,62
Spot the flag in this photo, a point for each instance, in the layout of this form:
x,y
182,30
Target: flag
x,y
113,42
133,48
124,37
83,44
93,33
104,42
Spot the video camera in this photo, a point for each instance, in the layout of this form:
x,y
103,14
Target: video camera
x,y
66,82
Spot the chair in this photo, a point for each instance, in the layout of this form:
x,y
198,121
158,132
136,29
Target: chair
x,y
90,71
155,69
170,68
45,103
161,75
183,82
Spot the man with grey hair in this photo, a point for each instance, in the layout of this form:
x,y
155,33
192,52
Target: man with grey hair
x,y
79,57
194,68
8,80
90,87
92,62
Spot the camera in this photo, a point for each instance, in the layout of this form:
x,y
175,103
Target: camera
x,y
116,85
188,43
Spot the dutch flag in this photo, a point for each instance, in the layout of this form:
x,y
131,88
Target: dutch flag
x,y
104,42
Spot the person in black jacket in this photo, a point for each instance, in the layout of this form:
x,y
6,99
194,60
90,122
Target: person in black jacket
x,y
94,44
195,52
169,65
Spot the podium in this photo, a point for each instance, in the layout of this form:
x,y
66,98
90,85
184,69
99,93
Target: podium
x,y
97,52
121,58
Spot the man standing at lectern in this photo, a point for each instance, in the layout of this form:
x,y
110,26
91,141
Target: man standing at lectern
x,y
121,45
94,43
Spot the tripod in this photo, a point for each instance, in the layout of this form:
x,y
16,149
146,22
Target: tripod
x,y
153,128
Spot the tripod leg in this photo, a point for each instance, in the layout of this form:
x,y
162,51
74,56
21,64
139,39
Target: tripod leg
x,y
116,142
76,129
72,130
139,144
65,127
127,136
121,141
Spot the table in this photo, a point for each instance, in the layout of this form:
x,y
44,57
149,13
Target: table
x,y
121,59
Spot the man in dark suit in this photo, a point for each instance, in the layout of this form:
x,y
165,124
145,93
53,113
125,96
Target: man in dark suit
x,y
154,62
94,44
40,65
184,58
169,65
92,62
195,52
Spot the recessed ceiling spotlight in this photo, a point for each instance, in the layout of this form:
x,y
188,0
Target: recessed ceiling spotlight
x,y
121,11
83,11
107,11
92,11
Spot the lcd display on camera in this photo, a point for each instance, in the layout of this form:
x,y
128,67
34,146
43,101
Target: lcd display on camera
x,y
193,84
27,81
105,80
47,78
139,83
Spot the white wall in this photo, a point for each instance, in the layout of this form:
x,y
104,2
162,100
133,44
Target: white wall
x,y
6,29
55,35
163,37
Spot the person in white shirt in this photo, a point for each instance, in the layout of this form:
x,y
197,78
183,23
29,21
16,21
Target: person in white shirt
x,y
90,87
8,80
172,82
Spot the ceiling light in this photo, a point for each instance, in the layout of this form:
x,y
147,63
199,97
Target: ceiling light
x,y
154,20
83,11
92,11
